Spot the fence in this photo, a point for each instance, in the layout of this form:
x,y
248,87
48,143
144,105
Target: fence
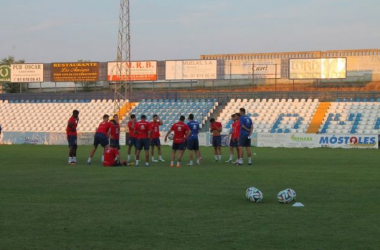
x,y
219,96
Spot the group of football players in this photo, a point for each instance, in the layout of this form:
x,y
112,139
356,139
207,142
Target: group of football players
x,y
146,135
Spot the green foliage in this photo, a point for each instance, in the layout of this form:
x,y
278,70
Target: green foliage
x,y
8,86
48,204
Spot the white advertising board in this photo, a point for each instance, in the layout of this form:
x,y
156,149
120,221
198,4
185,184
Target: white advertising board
x,y
316,140
27,72
140,71
348,141
191,70
123,139
246,69
271,140
322,68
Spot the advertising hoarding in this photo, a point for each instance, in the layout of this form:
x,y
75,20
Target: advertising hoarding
x,y
246,69
272,140
191,70
75,72
27,72
299,140
139,71
5,73
321,68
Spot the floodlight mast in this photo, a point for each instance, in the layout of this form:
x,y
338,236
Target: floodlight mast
x,y
122,84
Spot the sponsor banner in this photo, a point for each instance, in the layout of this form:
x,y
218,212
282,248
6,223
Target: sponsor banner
x,y
261,140
162,140
139,71
35,138
75,72
271,140
322,68
27,72
204,139
225,139
246,69
191,70
299,140
5,73
123,139
86,138
348,141
58,138
254,139
45,138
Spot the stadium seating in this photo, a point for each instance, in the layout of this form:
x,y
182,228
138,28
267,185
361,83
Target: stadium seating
x,y
52,115
269,116
352,118
170,110
273,116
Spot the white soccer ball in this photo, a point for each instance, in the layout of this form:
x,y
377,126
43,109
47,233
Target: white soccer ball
x,y
292,193
171,136
285,196
254,195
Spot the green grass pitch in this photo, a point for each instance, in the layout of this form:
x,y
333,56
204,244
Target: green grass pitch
x,y
47,204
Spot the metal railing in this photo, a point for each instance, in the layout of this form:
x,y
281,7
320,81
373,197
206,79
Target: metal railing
x,y
219,96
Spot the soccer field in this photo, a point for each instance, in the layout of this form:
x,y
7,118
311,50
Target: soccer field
x,y
47,204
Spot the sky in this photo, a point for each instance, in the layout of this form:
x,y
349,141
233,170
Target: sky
x,y
70,30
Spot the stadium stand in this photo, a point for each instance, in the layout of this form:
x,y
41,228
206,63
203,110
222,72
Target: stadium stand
x,y
273,116
52,115
169,110
345,116
352,118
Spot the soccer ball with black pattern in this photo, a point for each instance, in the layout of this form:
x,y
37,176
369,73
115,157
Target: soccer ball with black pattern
x,y
285,196
254,195
292,193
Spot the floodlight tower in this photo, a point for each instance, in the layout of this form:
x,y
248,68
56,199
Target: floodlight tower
x,y
123,56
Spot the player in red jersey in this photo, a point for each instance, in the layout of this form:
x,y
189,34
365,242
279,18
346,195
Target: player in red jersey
x,y
144,133
181,133
132,136
115,132
234,133
216,129
155,140
101,137
112,158
71,132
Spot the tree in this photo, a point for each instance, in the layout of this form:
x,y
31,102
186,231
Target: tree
x,y
8,86
86,86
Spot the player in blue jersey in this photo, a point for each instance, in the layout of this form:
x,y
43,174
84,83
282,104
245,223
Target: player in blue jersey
x,y
192,140
246,128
